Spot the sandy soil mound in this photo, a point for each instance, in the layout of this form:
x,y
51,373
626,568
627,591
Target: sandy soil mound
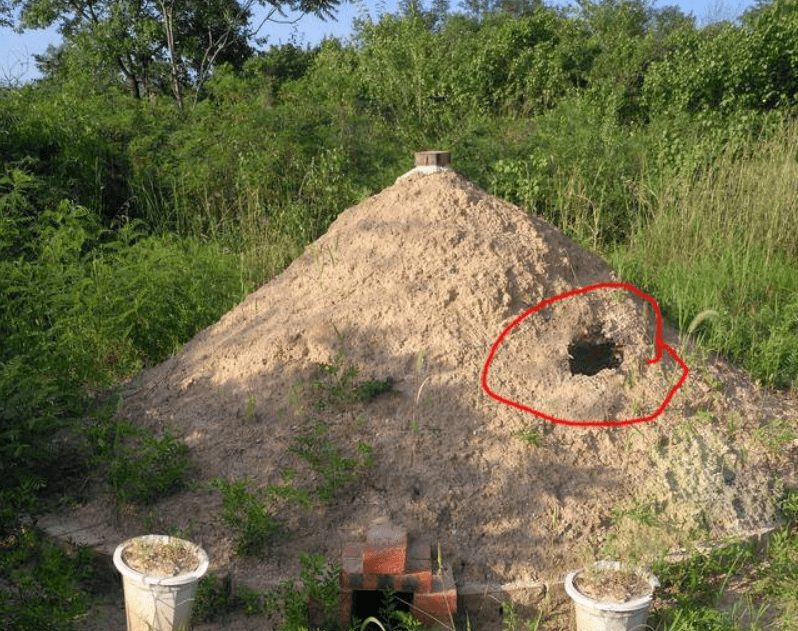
x,y
415,284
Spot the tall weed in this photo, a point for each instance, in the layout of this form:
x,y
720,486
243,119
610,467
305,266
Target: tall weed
x,y
82,307
726,239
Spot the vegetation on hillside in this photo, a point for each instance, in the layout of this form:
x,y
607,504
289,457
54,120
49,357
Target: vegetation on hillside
x,y
164,166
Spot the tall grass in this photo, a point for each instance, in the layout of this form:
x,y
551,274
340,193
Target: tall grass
x,y
83,307
726,238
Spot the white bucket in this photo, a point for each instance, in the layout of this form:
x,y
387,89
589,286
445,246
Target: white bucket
x,y
159,603
599,615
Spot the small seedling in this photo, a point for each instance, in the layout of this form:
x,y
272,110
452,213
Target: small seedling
x,y
630,379
249,411
529,436
511,620
324,457
338,385
642,513
775,435
731,425
414,422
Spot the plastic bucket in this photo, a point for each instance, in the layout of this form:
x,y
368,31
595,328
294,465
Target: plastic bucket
x,y
159,603
600,615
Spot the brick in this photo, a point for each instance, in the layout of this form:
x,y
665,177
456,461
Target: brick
x,y
351,581
384,560
435,608
385,551
352,560
370,582
382,533
345,600
391,560
353,551
419,555
433,158
416,582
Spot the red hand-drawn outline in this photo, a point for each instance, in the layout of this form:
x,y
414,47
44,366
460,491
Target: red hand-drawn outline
x,y
659,344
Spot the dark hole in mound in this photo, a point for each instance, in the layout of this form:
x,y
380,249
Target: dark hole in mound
x,y
591,353
373,603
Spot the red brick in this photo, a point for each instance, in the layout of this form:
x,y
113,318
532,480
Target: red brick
x,y
417,582
386,550
370,582
384,560
345,608
436,608
391,560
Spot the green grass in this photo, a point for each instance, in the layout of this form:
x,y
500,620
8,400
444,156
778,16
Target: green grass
x,y
338,384
41,586
725,239
530,436
734,588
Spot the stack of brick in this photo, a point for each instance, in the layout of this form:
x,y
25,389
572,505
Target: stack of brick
x,y
390,560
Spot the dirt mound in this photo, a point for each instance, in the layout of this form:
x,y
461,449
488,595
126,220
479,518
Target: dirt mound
x,y
415,284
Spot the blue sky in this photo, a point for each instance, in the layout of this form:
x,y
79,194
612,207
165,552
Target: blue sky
x,y
17,50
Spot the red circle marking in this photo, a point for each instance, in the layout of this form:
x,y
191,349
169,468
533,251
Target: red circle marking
x,y
660,347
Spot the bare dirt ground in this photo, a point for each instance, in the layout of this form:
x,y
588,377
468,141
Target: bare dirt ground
x,y
416,283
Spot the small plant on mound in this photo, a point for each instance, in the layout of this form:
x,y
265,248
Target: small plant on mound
x,y
530,436
338,385
324,457
251,512
140,468
775,435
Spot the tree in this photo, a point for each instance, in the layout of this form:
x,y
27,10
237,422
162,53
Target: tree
x,y
434,17
160,45
477,9
6,18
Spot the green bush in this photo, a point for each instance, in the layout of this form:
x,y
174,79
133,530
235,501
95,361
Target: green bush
x,y
144,469
249,513
41,587
84,306
729,67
